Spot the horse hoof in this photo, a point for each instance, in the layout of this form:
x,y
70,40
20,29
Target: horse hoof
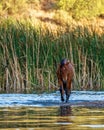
x,y
66,101
62,100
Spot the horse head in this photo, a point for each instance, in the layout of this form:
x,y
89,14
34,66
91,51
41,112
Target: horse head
x,y
64,70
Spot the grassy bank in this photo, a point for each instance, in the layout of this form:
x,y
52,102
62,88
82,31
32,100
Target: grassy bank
x,y
29,56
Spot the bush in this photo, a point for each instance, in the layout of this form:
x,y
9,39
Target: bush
x,y
82,8
13,6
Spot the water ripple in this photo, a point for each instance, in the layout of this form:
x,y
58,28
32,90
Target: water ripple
x,y
9,100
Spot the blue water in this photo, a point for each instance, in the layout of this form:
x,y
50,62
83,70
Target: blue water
x,y
52,99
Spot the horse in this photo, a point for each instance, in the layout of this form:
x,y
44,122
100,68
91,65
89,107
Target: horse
x,y
65,74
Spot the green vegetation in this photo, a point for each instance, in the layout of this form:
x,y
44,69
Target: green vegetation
x,y
76,8
34,40
29,56
82,8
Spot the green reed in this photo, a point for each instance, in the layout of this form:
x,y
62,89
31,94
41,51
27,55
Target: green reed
x,y
29,56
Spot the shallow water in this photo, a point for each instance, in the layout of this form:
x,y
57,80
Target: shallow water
x,y
46,112
51,99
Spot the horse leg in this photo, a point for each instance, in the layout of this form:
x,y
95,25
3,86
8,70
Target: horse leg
x,y
68,91
61,89
68,95
62,93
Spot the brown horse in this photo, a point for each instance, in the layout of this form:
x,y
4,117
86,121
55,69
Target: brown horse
x,y
65,73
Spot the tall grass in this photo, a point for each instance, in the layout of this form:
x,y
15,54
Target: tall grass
x,y
29,56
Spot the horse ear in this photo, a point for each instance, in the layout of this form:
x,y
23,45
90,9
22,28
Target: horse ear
x,y
70,63
67,62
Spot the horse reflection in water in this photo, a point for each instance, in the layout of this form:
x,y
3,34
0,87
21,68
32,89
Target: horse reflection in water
x,y
65,73
65,110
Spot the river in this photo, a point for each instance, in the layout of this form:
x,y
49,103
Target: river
x,y
84,111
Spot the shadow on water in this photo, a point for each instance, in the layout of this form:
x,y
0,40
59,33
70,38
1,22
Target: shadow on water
x,y
65,110
46,112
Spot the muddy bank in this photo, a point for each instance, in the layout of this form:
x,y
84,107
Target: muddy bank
x,y
96,104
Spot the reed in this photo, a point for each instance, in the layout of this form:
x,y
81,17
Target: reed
x,y
29,56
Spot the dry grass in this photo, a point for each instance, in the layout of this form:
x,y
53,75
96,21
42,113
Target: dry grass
x,y
28,44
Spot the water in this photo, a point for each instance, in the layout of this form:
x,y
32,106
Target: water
x,y
85,110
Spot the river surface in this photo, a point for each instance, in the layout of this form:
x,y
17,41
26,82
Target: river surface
x,y
84,111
